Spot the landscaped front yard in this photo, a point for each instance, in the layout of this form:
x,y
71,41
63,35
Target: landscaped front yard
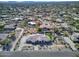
x,y
50,36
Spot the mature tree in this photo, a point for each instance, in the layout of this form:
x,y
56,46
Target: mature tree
x,y
6,41
23,23
1,26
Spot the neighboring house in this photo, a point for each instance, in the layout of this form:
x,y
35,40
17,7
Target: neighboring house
x,y
75,37
32,23
32,30
59,20
65,25
17,19
46,24
46,27
10,27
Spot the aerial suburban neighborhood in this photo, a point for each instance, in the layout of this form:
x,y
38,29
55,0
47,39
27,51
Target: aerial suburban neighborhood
x,y
39,26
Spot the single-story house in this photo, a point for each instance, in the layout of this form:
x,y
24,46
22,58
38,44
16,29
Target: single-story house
x,y
46,27
32,23
9,27
17,19
64,25
75,37
32,30
38,39
59,20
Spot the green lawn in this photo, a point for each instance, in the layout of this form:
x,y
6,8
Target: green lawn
x,y
77,45
75,23
50,36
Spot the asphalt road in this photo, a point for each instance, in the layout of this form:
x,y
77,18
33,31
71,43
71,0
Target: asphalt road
x,y
39,54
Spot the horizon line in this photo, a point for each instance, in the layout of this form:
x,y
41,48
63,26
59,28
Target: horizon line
x,y
38,0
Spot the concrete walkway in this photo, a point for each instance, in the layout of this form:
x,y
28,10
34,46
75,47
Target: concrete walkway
x,y
19,37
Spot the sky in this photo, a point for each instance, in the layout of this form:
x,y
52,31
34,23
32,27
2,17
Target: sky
x,y
39,0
